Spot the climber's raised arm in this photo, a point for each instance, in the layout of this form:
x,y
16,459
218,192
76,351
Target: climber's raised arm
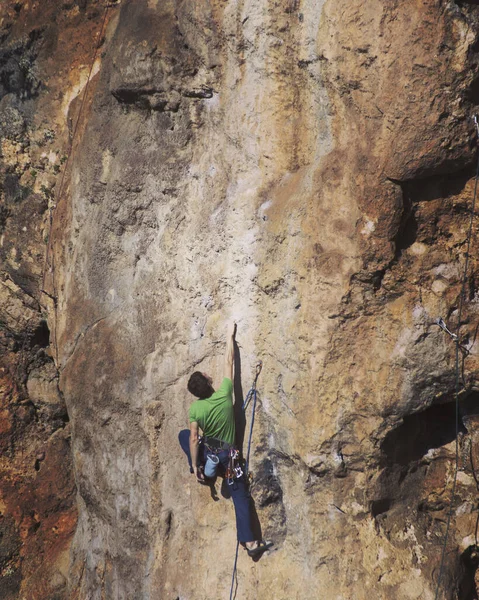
x,y
230,351
214,414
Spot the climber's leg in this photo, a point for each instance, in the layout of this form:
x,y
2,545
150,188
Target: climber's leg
x,y
242,503
184,439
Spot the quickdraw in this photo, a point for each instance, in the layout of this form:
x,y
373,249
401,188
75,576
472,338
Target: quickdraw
x,y
442,324
440,321
234,471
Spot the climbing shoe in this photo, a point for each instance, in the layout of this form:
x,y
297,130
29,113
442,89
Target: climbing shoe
x,y
260,548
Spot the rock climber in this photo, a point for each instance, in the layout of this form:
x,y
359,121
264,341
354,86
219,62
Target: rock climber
x,y
213,413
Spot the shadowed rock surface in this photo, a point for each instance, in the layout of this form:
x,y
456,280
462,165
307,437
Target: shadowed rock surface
x,y
305,168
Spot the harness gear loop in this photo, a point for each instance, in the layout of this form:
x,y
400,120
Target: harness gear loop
x,y
233,471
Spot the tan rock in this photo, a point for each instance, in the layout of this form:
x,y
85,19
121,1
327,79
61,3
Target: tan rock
x,y
307,170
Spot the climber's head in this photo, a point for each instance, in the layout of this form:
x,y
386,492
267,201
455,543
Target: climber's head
x,y
200,385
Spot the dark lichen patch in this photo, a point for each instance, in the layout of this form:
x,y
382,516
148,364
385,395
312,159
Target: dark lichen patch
x,y
268,496
266,484
10,571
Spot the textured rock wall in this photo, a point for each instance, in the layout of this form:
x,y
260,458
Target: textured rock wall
x,y
45,49
305,168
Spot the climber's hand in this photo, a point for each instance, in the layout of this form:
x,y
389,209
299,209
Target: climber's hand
x,y
200,476
231,332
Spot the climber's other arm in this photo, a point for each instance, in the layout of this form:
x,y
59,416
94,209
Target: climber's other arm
x,y
194,447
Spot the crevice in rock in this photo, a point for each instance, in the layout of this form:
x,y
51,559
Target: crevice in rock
x,y
427,430
380,506
150,99
469,562
41,336
437,186
408,229
416,191
472,93
199,93
408,455
420,433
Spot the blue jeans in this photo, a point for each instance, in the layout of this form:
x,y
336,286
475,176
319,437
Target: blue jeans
x,y
241,498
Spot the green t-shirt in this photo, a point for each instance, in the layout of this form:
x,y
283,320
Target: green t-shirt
x,y
215,415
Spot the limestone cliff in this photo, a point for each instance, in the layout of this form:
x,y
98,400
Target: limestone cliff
x,y
45,50
305,168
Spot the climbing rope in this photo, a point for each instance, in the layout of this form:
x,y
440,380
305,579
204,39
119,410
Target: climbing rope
x,y
459,349
50,265
474,474
251,396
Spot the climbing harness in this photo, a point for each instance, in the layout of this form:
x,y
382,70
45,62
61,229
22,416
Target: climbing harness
x,y
455,337
251,396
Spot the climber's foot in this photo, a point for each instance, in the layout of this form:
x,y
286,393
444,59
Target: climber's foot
x,y
256,549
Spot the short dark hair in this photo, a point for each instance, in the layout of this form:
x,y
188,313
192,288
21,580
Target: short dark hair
x,y
199,386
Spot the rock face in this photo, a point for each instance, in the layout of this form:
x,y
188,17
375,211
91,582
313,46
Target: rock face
x,y
307,169
44,53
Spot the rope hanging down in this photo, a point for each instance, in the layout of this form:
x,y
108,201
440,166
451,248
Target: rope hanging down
x,y
459,348
250,396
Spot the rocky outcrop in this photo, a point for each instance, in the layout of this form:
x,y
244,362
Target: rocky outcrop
x,y
306,169
44,61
